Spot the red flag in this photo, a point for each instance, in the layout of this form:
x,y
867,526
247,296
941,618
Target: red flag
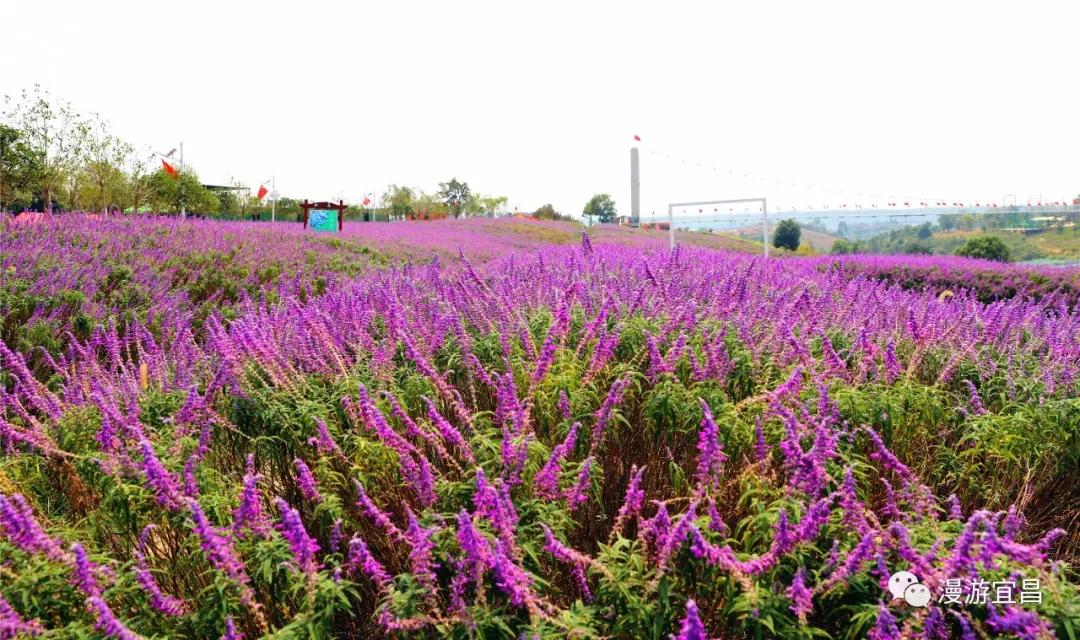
x,y
367,201
169,169
637,138
262,192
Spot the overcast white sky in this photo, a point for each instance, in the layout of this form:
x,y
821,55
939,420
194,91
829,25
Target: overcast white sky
x,y
540,101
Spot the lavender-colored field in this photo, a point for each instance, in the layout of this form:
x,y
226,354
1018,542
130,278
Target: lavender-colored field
x,y
505,429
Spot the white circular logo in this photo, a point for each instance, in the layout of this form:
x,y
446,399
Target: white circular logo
x,y
899,582
917,595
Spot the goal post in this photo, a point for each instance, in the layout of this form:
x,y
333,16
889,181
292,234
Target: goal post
x,y
764,216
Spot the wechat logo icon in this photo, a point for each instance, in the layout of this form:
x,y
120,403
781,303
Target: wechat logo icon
x,y
904,585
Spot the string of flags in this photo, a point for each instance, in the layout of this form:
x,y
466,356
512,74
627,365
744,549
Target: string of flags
x,y
883,202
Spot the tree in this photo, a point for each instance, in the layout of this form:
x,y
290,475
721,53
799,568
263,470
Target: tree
x,y
104,160
546,212
602,207
842,229
397,201
844,247
481,205
787,235
139,187
57,136
985,247
18,167
925,231
455,195
948,221
172,193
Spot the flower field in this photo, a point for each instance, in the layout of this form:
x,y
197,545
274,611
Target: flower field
x,y
502,429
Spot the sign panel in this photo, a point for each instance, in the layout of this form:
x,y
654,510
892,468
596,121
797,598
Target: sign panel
x,y
323,220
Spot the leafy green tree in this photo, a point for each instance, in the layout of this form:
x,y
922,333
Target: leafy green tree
x,y
57,136
138,188
397,201
455,195
925,231
546,212
948,221
842,229
844,247
481,205
18,167
601,207
985,247
104,156
172,193
786,235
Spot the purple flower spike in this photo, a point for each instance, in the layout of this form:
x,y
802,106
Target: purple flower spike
x,y
306,482
711,456
303,546
230,631
691,627
801,597
360,558
885,628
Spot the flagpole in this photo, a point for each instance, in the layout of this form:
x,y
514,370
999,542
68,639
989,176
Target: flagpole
x,y
183,207
273,199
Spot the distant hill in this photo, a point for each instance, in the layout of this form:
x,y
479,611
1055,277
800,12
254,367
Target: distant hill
x,y
1053,245
821,242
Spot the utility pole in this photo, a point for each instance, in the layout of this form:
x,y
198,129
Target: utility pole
x,y
183,205
635,189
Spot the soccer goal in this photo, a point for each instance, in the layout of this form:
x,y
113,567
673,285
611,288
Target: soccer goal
x,y
763,210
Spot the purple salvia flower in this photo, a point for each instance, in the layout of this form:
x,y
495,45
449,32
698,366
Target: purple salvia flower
x,y
564,406
474,546
306,482
711,456
966,632
303,546
635,498
511,579
579,492
106,622
230,631
792,386
546,481
603,414
485,498
17,522
160,481
886,457
885,628
83,572
325,442
249,512
360,557
974,401
893,370
377,515
449,432
577,561
160,601
421,558
802,598
955,512
934,625
12,625
761,448
216,546
691,627
1025,625
335,536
